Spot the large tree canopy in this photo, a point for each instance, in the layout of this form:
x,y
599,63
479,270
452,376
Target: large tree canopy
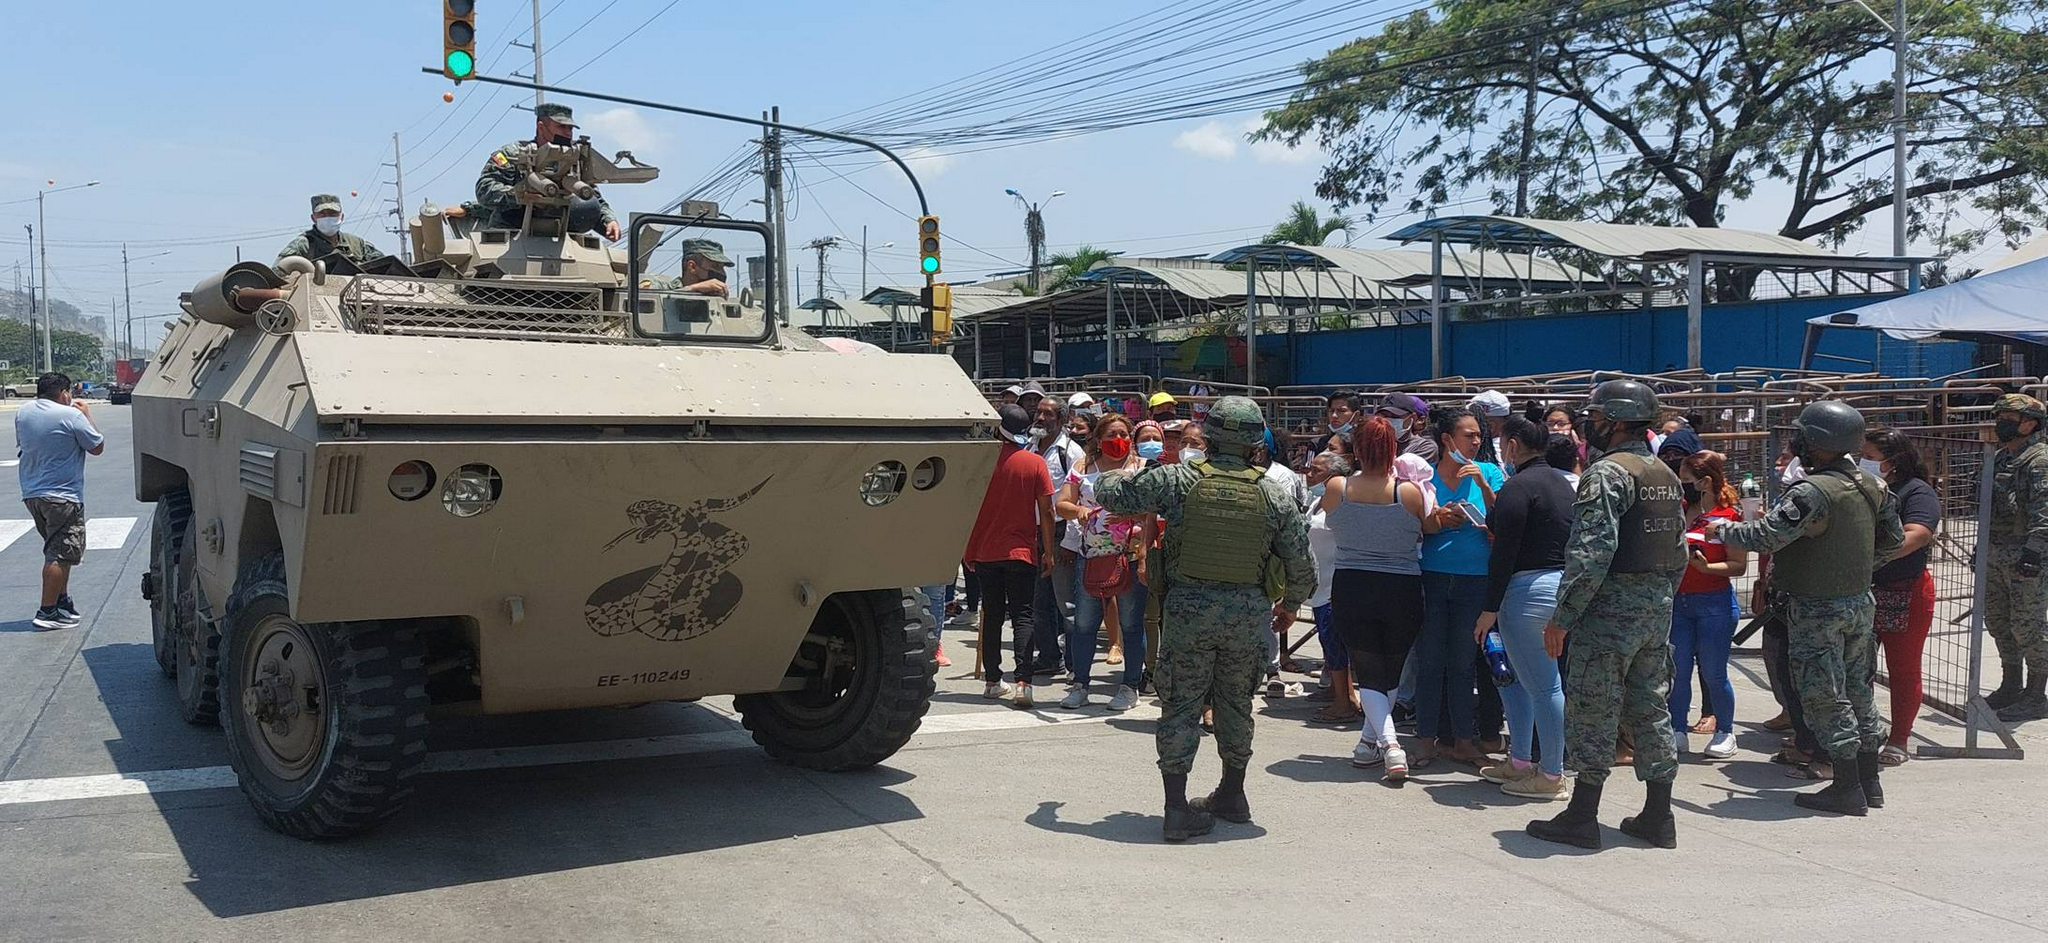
x,y
1666,112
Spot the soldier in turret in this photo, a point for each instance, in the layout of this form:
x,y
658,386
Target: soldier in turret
x,y
326,237
1228,525
497,185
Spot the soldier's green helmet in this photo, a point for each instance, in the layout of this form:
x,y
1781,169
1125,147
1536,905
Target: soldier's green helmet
x,y
1624,400
1831,425
1235,427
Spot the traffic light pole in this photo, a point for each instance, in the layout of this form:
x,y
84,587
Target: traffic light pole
x,y
923,207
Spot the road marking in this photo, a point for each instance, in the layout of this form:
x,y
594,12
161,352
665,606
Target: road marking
x,y
11,531
10,463
157,782
107,533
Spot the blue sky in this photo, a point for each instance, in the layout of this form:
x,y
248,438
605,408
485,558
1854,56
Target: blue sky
x,y
209,124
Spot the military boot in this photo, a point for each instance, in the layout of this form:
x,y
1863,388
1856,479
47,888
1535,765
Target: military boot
x,y
1654,824
1844,796
1866,771
1182,822
2032,705
1578,824
1228,802
2009,690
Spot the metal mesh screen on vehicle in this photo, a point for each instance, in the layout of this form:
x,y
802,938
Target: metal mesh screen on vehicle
x,y
474,308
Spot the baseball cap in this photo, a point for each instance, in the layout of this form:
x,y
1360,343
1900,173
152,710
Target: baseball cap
x,y
1015,420
1492,403
1080,401
559,114
326,201
706,249
1014,389
1401,404
1159,399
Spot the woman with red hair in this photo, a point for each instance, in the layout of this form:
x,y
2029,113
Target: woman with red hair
x,y
1376,595
1704,612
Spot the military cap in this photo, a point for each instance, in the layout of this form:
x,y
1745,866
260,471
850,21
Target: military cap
x,y
705,249
323,202
2023,404
559,114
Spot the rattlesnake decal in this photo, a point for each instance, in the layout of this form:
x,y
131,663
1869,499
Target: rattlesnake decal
x,y
687,595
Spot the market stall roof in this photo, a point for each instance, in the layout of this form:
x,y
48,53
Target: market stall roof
x,y
968,300
837,312
1408,266
2038,249
1614,240
2005,303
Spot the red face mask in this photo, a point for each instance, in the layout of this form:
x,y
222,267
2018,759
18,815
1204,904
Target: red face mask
x,y
1117,449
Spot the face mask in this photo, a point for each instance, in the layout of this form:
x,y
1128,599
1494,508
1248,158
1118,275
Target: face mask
x,y
1116,450
1344,429
1315,492
1692,492
1188,456
1150,451
1794,472
1458,458
1873,469
2007,429
327,225
1400,425
1023,439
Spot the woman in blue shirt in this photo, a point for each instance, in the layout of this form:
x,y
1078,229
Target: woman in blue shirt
x,y
1454,559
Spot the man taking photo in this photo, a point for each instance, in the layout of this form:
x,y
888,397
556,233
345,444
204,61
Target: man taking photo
x,y
55,434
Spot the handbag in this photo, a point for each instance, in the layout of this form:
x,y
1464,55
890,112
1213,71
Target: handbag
x,y
1107,576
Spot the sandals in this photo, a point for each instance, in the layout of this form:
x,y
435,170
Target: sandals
x,y
1425,754
1892,755
1116,656
1706,725
1337,714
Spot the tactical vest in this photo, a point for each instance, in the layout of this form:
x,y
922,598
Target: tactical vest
x,y
1222,531
1652,533
344,243
1838,560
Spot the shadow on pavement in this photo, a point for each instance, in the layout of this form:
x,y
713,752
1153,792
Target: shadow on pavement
x,y
1132,828
485,825
1310,768
25,625
1518,843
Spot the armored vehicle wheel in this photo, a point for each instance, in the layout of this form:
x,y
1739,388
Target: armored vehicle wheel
x,y
167,530
868,662
195,646
326,722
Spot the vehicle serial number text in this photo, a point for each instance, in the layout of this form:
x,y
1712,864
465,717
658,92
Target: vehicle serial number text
x,y
643,677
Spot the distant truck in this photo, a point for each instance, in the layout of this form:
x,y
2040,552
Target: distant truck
x,y
25,389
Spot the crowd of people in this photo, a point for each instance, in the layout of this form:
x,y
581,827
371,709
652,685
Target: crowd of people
x,y
1482,575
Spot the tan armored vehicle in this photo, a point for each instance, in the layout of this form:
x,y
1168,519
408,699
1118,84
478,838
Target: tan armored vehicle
x,y
507,475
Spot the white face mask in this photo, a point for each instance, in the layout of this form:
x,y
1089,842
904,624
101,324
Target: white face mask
x,y
1871,468
1458,458
1794,472
1190,456
327,225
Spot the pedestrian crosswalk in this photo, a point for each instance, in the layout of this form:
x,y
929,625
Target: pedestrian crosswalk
x,y
101,533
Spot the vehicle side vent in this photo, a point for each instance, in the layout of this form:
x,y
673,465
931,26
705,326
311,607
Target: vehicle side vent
x,y
259,471
344,478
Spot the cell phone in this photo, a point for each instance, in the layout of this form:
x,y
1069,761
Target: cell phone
x,y
1472,512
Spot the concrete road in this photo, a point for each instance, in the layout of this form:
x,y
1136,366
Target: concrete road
x,y
117,821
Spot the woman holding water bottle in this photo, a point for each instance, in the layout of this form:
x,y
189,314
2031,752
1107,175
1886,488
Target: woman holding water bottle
x,y
1531,521
1703,614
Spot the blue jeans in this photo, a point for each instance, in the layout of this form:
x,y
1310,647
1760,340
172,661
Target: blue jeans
x,y
1086,632
935,598
1054,593
1444,653
1535,702
1702,630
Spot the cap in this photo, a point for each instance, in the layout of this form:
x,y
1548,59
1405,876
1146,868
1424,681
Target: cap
x,y
323,202
1015,420
705,249
2023,404
1080,401
1014,389
1401,404
1492,403
1159,399
1031,388
1684,440
559,114
1174,425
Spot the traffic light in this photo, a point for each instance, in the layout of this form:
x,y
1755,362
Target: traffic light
x,y
928,245
458,39
938,303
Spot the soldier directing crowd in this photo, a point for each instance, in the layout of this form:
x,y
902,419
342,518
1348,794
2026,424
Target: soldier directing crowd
x,y
1227,525
1829,533
1622,566
326,237
497,186
2016,594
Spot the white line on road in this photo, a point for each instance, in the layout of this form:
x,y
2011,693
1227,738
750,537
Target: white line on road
x,y
156,782
107,533
11,531
10,463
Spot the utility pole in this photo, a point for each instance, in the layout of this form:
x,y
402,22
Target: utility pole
x,y
128,295
1899,128
822,244
863,260
398,207
48,317
772,150
31,292
1528,134
538,77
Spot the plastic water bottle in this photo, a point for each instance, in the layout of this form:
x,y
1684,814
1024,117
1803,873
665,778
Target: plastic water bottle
x,y
1752,498
1497,660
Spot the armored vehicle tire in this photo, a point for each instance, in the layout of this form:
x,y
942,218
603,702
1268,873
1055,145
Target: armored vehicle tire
x,y
869,660
167,529
195,647
326,722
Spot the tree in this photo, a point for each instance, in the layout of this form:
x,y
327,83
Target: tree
x,y
1303,226
1666,112
1068,267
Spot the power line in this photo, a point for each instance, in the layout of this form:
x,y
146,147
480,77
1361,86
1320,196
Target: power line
x,y
608,49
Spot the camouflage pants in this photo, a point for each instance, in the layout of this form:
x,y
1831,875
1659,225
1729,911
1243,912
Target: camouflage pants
x,y
1212,654
1620,671
1833,645
2013,611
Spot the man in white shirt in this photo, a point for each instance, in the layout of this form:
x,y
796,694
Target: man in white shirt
x,y
1055,596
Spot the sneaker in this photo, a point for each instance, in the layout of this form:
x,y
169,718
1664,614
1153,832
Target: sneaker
x,y
1397,763
1404,717
1505,772
995,690
50,617
1722,747
1021,697
70,608
1537,785
940,658
1681,742
1077,697
1367,755
1125,699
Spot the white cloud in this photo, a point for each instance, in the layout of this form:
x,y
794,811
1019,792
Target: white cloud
x,y
926,162
623,129
1211,140
1277,152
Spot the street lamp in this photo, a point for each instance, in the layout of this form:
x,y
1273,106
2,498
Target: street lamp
x,y
1034,230
127,296
1897,26
49,320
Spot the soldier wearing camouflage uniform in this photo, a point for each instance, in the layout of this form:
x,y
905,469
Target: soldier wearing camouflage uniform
x,y
1623,562
704,264
1828,533
497,198
326,237
1227,526
2016,594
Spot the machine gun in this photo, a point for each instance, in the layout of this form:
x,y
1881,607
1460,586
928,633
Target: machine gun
x,y
552,177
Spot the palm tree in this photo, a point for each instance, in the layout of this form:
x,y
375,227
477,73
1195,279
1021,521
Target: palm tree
x,y
1305,227
1068,267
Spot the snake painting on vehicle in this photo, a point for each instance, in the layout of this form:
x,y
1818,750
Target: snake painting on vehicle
x,y
688,594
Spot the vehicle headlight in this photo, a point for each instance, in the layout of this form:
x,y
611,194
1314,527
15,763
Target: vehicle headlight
x,y
882,483
471,490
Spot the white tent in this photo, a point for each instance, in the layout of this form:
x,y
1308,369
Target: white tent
x,y
2010,303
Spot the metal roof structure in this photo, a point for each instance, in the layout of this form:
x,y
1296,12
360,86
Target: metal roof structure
x,y
1613,240
1405,267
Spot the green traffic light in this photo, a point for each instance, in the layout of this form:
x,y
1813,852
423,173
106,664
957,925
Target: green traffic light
x,y
460,63
931,264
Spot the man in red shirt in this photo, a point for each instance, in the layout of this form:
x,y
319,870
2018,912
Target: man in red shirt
x,y
1010,548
